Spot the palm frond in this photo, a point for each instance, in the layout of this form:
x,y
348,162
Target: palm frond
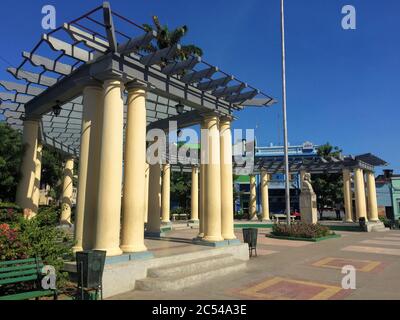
x,y
157,23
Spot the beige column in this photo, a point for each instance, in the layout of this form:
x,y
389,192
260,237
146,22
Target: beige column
x,y
153,220
24,196
91,101
359,190
226,179
194,203
165,197
134,172
265,195
66,196
372,201
89,166
38,173
253,197
203,153
347,195
146,192
212,188
110,174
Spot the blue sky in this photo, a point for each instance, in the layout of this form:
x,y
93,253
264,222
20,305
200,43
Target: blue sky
x,y
343,85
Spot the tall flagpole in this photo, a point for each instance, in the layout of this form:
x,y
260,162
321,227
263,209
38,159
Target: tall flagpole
x,y
285,134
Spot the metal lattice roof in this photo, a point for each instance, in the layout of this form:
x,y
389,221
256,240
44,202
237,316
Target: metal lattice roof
x,y
103,42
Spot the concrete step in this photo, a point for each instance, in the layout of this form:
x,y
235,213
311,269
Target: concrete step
x,y
189,273
191,267
379,228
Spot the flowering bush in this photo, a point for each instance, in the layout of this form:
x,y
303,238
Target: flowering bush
x,y
9,213
301,230
11,248
37,237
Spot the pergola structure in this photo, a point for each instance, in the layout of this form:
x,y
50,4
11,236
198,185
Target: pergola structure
x,y
360,169
89,89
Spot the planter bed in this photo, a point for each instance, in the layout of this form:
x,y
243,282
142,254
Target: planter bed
x,y
332,236
253,225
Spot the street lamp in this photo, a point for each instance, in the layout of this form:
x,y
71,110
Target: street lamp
x,y
57,109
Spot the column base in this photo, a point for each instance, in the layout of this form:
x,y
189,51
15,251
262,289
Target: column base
x,y
229,237
349,221
267,220
200,235
216,244
133,248
76,249
111,252
213,238
166,223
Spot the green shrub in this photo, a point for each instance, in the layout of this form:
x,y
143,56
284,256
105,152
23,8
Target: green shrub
x,y
387,222
9,212
37,237
301,230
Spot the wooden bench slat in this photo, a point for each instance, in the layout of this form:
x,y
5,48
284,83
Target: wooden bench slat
x,y
14,274
28,295
19,279
21,267
30,260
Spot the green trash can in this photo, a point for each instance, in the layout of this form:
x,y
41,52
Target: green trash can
x,y
90,267
250,237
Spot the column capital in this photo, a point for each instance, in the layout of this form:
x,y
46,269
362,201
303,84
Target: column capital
x,y
226,119
135,85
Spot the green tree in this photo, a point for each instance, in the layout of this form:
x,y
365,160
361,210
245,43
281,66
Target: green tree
x,y
11,151
181,186
52,170
168,38
328,186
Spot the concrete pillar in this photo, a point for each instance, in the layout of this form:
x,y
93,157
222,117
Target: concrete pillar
x,y
265,195
89,166
372,201
110,173
134,172
226,179
359,190
253,197
146,192
212,187
153,221
347,195
24,196
91,100
66,197
38,174
194,203
165,198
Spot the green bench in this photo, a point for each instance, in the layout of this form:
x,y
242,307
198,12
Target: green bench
x,y
26,271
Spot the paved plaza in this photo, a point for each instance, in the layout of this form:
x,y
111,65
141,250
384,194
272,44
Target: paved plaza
x,y
293,269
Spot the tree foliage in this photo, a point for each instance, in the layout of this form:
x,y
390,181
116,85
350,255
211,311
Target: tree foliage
x,y
181,186
328,186
168,38
52,170
11,151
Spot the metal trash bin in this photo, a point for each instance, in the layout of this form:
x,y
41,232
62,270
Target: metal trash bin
x,y
250,237
90,267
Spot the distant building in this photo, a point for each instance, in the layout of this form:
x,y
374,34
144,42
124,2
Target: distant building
x,y
388,194
277,181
